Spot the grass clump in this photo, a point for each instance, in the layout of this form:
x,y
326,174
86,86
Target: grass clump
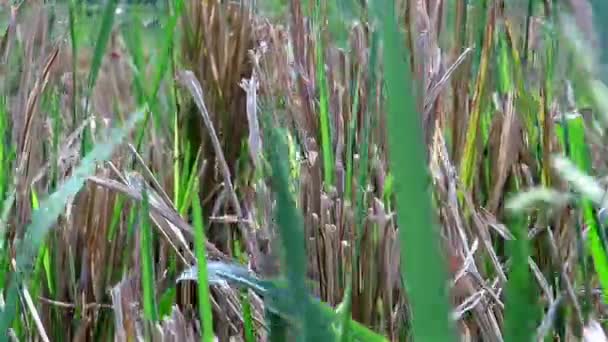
x,y
396,170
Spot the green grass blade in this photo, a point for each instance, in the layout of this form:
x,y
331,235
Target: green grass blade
x,y
291,229
589,188
191,187
324,115
571,133
469,158
247,319
57,129
147,261
103,36
161,67
278,299
176,160
116,215
98,54
166,47
519,314
204,302
72,15
184,177
7,151
504,68
132,32
419,239
362,182
350,141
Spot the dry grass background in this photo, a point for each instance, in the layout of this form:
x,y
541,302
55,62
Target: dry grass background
x,y
490,103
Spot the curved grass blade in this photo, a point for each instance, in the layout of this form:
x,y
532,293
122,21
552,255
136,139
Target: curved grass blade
x,y
277,297
50,209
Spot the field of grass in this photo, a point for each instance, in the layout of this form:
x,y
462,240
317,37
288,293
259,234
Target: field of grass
x,y
281,170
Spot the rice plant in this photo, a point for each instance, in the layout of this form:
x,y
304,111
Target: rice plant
x,y
301,170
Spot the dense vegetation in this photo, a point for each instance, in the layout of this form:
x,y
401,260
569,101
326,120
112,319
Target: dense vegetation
x,y
277,170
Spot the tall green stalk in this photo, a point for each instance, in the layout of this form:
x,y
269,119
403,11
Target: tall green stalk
x,y
204,301
422,266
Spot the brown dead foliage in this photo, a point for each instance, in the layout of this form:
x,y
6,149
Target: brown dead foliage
x,y
216,42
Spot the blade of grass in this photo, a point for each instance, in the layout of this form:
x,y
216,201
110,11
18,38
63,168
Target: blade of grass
x,y
279,299
190,188
204,303
102,41
72,15
132,31
362,182
5,256
7,150
350,140
176,160
467,167
571,133
160,70
147,262
520,322
248,327
324,115
50,209
57,129
587,186
291,232
100,48
419,239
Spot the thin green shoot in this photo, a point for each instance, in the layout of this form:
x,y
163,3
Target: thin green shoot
x,y
247,318
204,302
361,192
147,261
324,115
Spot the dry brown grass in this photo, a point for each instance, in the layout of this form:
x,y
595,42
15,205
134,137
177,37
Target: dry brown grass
x,y
217,39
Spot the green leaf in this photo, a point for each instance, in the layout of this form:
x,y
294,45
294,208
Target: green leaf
x,y
147,262
418,235
278,298
204,301
520,295
102,40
